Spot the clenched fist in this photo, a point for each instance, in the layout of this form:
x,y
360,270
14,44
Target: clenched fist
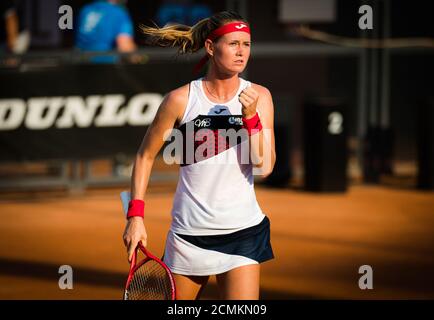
x,y
249,99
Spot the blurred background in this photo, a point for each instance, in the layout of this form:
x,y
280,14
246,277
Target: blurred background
x,y
353,183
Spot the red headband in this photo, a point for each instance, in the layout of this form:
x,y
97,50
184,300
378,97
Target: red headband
x,y
227,28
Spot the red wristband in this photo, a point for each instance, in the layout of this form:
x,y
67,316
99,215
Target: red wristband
x,y
136,208
253,125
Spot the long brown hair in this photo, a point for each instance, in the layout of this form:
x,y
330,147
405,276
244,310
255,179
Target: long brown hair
x,y
189,39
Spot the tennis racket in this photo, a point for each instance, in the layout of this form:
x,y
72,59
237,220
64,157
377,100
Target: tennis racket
x,y
149,278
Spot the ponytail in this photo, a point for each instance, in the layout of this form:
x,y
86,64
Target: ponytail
x,y
189,39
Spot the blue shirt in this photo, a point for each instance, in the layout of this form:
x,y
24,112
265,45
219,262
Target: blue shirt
x,y
99,24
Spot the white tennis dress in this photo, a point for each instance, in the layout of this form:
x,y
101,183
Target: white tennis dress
x,y
215,205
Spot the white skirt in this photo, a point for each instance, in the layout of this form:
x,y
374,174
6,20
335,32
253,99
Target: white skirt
x,y
210,255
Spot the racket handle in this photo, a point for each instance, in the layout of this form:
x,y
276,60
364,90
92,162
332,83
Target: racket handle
x,y
134,257
132,266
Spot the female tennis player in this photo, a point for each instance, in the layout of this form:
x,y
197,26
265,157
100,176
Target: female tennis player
x,y
217,226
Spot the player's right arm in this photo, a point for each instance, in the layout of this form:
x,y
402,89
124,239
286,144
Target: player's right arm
x,y
169,112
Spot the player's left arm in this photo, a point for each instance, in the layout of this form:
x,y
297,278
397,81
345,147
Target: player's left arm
x,y
262,144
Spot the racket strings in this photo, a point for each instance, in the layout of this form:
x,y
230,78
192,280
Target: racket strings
x,y
150,282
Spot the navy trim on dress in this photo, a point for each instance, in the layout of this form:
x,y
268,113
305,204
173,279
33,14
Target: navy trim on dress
x,y
253,242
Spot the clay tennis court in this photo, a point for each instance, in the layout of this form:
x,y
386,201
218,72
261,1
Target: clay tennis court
x,y
348,81
319,240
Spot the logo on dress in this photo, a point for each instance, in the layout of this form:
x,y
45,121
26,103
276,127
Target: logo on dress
x,y
220,110
202,123
240,26
235,120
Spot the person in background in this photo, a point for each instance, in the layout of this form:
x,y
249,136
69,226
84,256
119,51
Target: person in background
x,y
105,25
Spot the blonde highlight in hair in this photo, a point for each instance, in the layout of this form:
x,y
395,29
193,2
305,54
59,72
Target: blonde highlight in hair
x,y
188,39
